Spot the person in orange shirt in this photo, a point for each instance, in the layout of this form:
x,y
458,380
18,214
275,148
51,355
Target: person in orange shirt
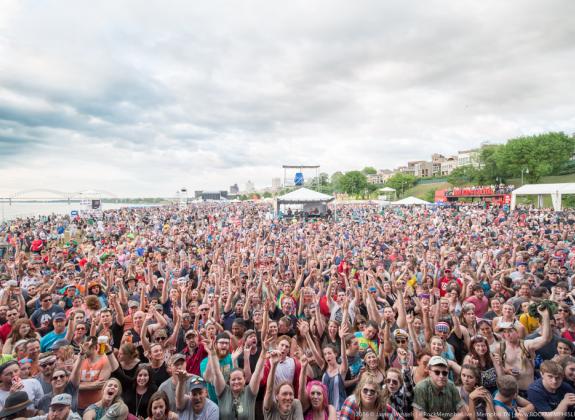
x,y
95,370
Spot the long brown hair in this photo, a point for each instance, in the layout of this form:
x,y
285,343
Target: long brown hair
x,y
15,333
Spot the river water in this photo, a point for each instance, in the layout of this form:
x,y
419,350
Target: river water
x,y
30,209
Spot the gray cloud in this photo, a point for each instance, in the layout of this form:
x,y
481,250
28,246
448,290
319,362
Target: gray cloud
x,y
146,98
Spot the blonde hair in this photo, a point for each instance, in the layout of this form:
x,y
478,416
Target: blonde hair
x,y
382,395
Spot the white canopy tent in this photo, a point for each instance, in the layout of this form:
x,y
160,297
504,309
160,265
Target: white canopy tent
x,y
556,191
310,201
410,201
387,193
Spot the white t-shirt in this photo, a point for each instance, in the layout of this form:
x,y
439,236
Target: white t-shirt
x,y
32,388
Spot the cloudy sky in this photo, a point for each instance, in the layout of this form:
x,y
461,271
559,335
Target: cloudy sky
x,y
141,98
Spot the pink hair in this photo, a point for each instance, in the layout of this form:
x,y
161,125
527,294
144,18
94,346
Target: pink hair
x,y
310,384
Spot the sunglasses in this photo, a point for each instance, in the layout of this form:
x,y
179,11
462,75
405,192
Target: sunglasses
x,y
46,364
401,341
190,337
47,300
55,378
161,338
368,391
440,372
392,381
197,380
81,329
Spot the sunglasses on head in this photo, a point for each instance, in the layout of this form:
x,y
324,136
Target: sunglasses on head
x,y
440,372
197,380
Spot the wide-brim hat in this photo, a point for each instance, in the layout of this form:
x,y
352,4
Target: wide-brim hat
x,y
15,402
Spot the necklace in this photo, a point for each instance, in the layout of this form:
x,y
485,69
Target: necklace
x,y
139,401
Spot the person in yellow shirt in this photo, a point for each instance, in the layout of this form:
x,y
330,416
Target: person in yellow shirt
x,y
529,322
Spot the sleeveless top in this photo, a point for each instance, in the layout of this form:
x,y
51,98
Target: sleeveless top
x,y
336,389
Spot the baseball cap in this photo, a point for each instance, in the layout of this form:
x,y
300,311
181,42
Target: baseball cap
x,y
177,358
437,361
58,344
133,304
442,327
196,382
506,325
61,399
59,316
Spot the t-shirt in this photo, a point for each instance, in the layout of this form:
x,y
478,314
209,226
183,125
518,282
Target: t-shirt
x,y
41,316
296,412
226,365
169,388
32,387
49,339
432,401
243,408
210,412
45,401
545,401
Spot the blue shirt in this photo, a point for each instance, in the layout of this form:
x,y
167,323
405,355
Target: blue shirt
x,y
49,339
545,401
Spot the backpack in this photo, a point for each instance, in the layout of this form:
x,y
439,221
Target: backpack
x,y
524,353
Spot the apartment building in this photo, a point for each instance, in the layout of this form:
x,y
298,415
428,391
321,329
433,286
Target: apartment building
x,y
468,157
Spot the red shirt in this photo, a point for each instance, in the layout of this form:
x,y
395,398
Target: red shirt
x,y
193,361
5,330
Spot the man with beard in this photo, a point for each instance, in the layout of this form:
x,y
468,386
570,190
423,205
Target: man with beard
x,y
194,352
226,363
60,409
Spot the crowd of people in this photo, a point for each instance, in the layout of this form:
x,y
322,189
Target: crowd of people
x,y
219,311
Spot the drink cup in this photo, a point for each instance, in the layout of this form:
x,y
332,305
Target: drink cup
x,y
102,342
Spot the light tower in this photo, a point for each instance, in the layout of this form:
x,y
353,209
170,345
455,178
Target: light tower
x,y
183,198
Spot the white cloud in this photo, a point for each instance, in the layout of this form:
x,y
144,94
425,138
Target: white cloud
x,y
143,98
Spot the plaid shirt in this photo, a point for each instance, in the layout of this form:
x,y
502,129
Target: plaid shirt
x,y
350,411
403,398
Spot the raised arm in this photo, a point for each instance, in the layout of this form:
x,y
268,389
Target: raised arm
x,y
256,378
181,398
268,399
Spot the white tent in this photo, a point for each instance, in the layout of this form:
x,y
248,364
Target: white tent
x,y
304,195
387,189
311,201
410,201
555,190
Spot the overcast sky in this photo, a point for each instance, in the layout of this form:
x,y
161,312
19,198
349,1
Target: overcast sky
x,y
142,98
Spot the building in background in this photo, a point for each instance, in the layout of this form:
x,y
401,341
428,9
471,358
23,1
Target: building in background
x,y
250,187
448,165
234,189
468,157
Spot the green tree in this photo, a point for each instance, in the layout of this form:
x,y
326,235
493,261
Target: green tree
x,y
267,194
401,182
491,165
543,155
335,181
463,175
353,183
369,170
